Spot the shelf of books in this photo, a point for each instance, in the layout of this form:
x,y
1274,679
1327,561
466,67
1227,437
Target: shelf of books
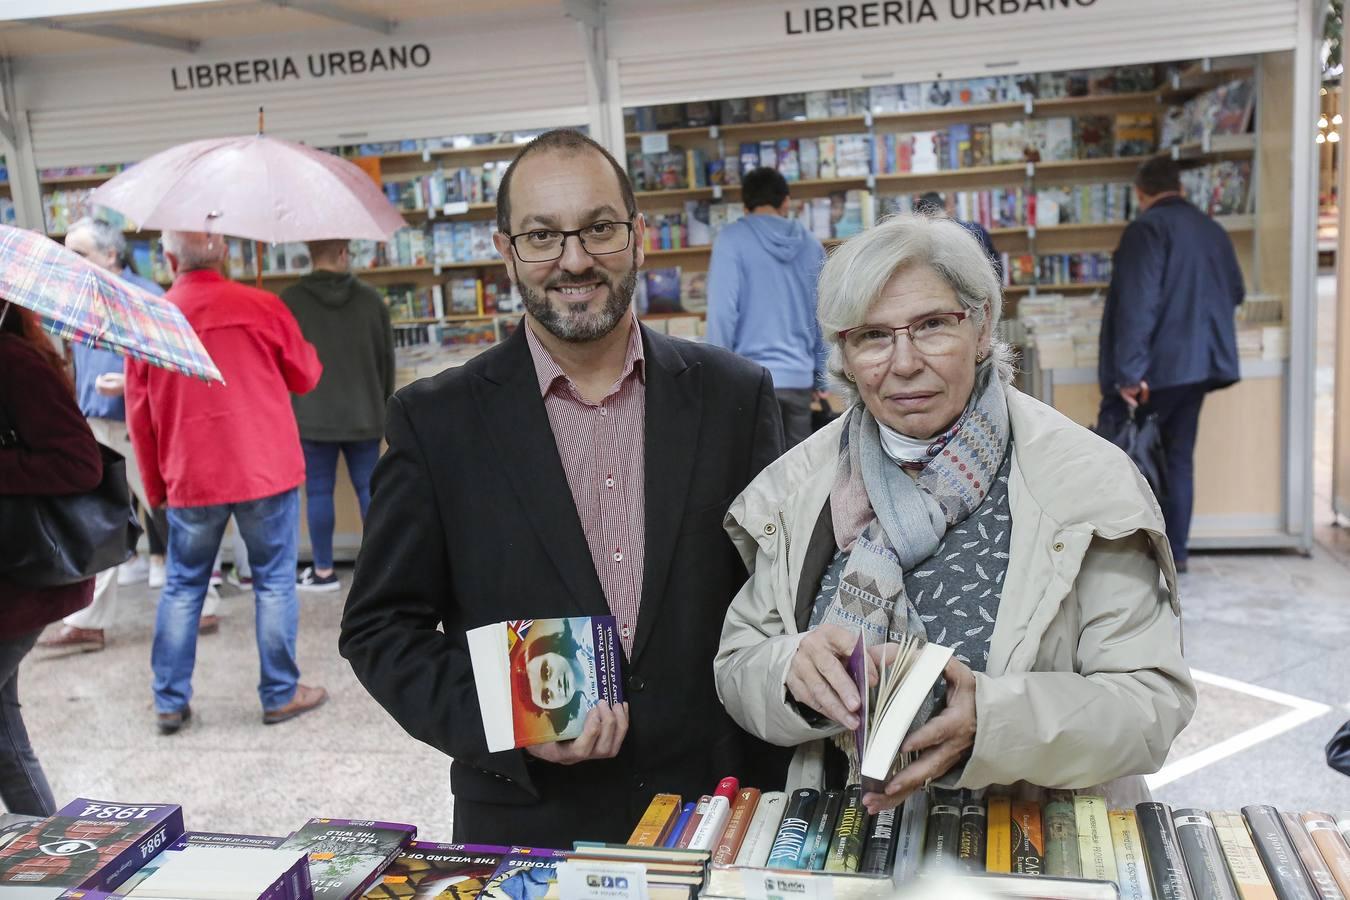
x,y
737,843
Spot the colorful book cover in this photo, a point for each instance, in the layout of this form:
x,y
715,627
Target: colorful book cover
x,y
538,678
1028,838
818,836
787,846
441,871
654,826
846,847
1096,857
1135,134
1131,867
663,296
1092,137
347,856
998,852
88,845
523,875
749,156
970,848
742,813
1061,836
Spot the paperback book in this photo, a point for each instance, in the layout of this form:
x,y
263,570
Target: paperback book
x,y
88,845
443,871
522,874
346,856
538,678
889,708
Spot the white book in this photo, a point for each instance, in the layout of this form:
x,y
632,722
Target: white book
x,y
763,828
218,873
905,682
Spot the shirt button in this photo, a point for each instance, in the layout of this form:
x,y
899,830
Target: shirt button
x,y
603,411
609,482
626,631
618,557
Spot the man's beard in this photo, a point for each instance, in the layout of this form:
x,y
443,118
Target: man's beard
x,y
581,325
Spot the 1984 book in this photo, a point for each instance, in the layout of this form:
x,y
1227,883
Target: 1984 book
x,y
538,678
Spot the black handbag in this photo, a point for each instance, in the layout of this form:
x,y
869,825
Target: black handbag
x,y
49,541
1141,439
1338,750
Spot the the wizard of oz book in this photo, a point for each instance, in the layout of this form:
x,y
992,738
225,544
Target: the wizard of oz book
x,y
538,678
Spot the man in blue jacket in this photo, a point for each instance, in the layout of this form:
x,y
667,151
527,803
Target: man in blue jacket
x,y
1168,335
762,298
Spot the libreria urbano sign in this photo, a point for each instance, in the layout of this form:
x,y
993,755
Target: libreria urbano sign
x,y
892,13
276,69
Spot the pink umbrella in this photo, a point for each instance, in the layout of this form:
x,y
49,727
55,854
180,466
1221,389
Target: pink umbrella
x,y
257,187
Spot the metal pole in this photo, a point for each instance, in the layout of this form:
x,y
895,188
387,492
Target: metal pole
x,y
257,245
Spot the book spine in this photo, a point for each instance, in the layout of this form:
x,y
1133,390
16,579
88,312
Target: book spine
x,y
944,830
1166,869
998,850
1316,867
879,856
909,837
654,826
787,845
691,826
143,849
1128,848
1343,825
970,849
1028,839
1244,864
1095,853
742,811
714,822
817,844
1277,855
1322,829
763,829
677,829
845,851
1061,836
1203,855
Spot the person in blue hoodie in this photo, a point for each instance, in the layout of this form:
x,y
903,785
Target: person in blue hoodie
x,y
762,298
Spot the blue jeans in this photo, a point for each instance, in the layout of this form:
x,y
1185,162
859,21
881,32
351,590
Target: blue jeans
x,y
321,478
270,529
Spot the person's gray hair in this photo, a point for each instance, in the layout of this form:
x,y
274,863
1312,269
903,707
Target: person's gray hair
x,y
107,237
196,249
859,269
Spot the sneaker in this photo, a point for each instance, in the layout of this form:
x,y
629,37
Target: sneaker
x,y
312,582
133,571
155,580
217,578
305,699
242,582
75,640
170,723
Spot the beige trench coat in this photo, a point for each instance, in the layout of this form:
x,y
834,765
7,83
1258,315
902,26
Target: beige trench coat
x,y
1085,681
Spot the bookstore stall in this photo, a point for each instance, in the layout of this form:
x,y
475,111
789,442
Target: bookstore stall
x,y
1028,116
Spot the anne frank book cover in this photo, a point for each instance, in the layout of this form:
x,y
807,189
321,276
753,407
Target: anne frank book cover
x,y
346,856
89,845
538,678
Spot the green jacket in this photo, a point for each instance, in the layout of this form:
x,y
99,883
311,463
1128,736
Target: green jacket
x,y
348,324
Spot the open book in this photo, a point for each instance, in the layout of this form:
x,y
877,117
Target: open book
x,y
538,678
888,709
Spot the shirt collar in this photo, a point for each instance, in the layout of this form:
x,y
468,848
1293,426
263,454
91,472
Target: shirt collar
x,y
548,371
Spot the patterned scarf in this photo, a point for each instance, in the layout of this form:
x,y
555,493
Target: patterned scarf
x,y
890,522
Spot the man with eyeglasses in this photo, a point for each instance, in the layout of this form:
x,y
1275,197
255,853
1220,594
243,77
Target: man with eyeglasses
x,y
582,467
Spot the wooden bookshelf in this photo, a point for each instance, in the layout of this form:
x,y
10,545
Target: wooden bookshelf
x,y
1205,75
775,129
1216,147
474,211
953,179
470,154
1017,290
67,180
1095,104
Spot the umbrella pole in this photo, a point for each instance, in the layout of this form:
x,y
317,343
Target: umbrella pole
x,y
257,245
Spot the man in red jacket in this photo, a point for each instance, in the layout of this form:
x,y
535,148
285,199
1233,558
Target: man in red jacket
x,y
212,451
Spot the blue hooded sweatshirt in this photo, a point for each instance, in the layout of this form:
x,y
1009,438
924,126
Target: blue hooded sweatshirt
x,y
762,298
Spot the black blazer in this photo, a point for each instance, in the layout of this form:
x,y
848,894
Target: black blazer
x,y
472,522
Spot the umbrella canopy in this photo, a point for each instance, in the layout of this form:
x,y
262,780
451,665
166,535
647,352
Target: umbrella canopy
x,y
81,302
257,187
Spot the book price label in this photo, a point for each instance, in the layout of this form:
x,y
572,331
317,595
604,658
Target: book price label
x,y
764,884
594,880
655,143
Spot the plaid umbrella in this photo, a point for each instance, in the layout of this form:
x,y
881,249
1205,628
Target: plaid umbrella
x,y
79,301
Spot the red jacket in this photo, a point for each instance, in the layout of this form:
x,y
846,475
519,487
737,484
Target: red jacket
x,y
202,444
57,456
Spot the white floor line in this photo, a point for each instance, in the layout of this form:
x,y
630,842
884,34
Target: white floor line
x,y
1302,710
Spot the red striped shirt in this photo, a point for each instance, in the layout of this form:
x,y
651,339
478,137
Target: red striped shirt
x,y
603,447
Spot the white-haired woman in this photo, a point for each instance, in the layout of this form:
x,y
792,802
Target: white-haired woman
x,y
948,505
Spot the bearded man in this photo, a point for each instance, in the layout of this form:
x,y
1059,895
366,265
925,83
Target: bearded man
x,y
582,467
